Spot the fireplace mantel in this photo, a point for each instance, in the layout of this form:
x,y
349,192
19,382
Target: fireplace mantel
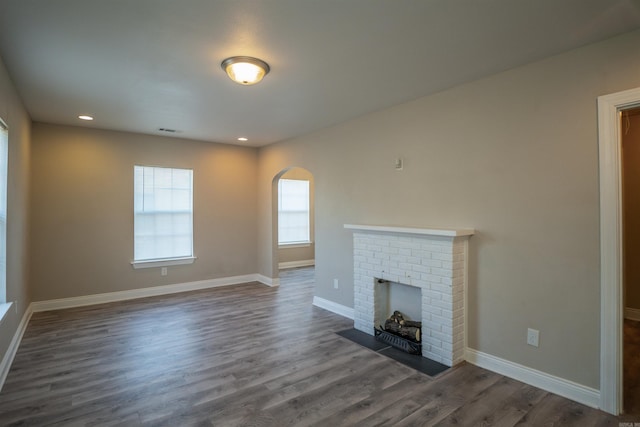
x,y
432,231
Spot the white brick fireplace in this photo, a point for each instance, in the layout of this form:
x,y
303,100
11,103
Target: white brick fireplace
x,y
433,260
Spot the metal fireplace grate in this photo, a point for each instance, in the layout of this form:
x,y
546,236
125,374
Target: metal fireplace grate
x,y
398,342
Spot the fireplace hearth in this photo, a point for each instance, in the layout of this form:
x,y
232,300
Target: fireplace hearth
x,y
415,361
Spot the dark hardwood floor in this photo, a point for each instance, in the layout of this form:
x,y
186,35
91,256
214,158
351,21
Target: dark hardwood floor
x,y
246,355
631,365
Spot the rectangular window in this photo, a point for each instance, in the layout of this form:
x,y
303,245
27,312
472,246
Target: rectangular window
x,y
163,214
4,149
293,211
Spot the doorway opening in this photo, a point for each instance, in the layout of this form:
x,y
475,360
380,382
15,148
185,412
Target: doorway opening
x,y
630,143
294,219
610,111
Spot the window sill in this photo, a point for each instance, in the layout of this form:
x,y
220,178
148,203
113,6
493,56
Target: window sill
x,y
294,245
4,309
162,262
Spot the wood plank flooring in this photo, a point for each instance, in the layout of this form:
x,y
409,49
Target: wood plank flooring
x,y
246,355
631,366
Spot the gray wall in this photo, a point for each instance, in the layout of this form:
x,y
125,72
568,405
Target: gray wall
x,y
82,216
18,121
514,156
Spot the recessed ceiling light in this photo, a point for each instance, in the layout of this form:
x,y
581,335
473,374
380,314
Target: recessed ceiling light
x,y
83,117
242,138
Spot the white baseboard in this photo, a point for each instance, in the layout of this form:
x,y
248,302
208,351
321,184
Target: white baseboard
x,y
5,365
334,307
61,303
269,281
296,264
632,314
560,386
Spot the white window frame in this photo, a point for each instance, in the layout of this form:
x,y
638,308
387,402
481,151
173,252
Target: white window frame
x,y
168,261
300,243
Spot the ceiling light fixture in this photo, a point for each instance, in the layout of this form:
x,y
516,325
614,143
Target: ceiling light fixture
x,y
243,139
245,69
88,118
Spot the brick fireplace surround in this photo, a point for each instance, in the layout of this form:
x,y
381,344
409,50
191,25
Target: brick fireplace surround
x,y
433,260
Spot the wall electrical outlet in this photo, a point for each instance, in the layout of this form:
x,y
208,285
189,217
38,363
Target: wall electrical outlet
x,y
335,283
163,271
533,337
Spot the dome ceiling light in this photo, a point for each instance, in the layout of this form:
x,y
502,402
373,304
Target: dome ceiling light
x,y
245,69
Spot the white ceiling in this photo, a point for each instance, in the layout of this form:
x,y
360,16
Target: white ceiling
x,y
140,65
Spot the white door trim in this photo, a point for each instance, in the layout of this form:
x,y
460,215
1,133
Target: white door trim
x,y
611,286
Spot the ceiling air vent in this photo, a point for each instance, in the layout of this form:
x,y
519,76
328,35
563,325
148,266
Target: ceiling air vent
x,y
167,130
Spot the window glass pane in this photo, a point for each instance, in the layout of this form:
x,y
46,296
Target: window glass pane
x,y
163,213
293,211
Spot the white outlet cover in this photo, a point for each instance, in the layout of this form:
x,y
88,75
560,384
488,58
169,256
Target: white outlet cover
x,y
533,337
